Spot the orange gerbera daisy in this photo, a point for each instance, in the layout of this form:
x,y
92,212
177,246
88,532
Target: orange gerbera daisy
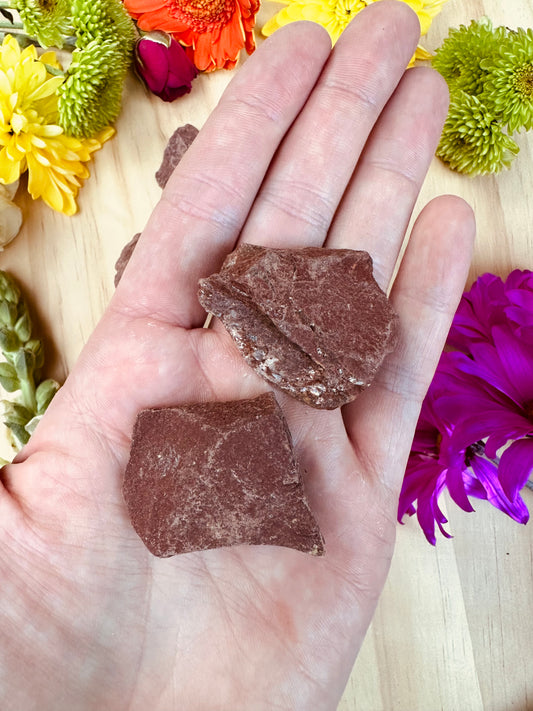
x,y
213,31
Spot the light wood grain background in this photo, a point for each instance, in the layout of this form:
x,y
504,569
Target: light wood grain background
x,y
454,627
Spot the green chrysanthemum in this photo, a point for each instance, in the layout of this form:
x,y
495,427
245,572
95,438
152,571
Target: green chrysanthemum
x,y
472,140
49,21
509,84
103,20
90,98
459,57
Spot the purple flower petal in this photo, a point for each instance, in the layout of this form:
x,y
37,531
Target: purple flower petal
x,y
486,365
479,309
420,474
489,303
516,466
456,487
523,302
424,481
481,418
519,279
487,474
517,360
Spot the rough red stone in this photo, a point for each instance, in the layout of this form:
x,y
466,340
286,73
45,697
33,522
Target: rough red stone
x,y
124,257
217,474
175,149
177,144
312,321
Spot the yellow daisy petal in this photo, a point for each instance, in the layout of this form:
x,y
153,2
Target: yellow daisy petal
x,y
47,88
51,60
10,170
5,84
14,152
49,130
422,53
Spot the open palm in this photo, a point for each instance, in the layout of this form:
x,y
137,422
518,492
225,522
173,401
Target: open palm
x,y
307,147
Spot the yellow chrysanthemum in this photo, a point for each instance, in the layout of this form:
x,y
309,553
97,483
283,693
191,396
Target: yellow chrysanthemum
x,y
30,137
335,15
426,11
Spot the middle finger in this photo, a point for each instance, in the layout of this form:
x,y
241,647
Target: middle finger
x,y
312,168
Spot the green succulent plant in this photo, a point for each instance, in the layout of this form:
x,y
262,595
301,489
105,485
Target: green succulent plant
x,y
20,371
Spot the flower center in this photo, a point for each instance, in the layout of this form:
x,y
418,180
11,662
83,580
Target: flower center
x,y
202,15
47,5
474,450
523,81
19,123
346,9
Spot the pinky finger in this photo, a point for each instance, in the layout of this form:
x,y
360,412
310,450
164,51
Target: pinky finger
x,y
425,294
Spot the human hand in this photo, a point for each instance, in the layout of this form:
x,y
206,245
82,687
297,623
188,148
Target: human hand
x,y
306,147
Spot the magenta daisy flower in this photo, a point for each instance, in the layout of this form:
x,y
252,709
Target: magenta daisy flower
x,y
443,457
475,432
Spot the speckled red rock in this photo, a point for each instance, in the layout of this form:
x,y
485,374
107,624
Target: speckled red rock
x,y
217,474
124,258
175,149
312,321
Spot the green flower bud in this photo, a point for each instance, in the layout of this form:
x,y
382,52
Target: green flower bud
x,y
44,394
17,413
19,431
30,426
9,341
24,363
36,347
23,327
8,378
9,291
8,313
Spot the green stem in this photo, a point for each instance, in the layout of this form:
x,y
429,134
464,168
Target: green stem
x,y
4,24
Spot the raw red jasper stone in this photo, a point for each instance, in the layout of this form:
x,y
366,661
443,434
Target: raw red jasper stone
x,y
175,149
217,474
124,258
312,321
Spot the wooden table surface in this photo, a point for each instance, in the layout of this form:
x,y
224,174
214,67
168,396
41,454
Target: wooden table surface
x,y
454,627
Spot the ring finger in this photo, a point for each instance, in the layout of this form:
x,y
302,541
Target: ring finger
x,y
377,206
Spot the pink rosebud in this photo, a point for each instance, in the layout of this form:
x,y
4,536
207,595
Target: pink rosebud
x,y
163,65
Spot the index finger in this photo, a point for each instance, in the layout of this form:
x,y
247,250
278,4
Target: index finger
x,y
207,200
